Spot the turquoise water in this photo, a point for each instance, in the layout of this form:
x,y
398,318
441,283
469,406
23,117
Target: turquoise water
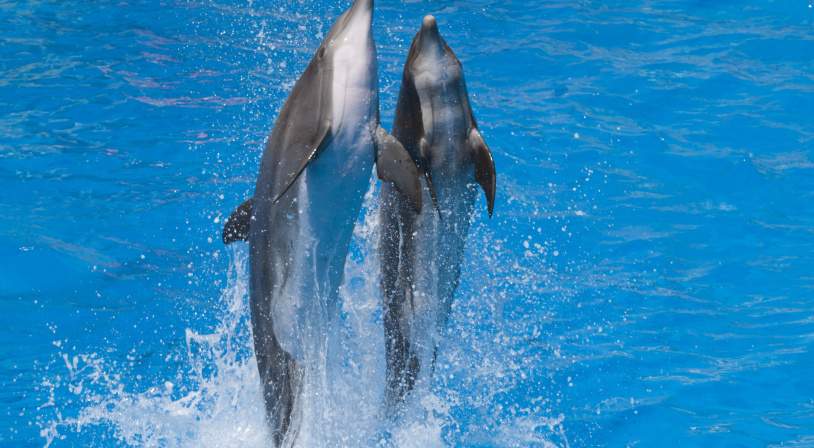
x,y
646,279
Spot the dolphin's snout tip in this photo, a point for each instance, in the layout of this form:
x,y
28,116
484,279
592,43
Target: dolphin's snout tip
x,y
361,12
429,23
429,29
366,5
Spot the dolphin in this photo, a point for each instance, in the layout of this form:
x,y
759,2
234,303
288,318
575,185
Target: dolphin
x,y
421,253
314,172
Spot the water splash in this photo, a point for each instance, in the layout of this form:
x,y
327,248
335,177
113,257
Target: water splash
x,y
220,404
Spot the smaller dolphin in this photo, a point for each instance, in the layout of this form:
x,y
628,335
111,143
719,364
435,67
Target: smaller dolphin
x,y
421,253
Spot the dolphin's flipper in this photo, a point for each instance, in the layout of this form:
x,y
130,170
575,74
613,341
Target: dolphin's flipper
x,y
402,363
237,226
394,164
484,167
322,140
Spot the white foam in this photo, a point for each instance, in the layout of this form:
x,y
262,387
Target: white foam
x,y
220,404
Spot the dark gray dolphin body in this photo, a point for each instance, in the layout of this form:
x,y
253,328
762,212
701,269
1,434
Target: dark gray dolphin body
x,y
313,174
421,253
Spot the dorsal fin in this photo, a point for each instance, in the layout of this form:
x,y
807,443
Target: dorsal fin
x,y
323,141
238,225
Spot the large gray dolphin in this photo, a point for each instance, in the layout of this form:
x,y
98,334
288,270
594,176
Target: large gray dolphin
x,y
421,253
314,172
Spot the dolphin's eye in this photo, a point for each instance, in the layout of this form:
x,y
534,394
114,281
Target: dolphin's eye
x,y
321,52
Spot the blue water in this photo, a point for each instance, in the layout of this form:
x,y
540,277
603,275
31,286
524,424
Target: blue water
x,y
646,280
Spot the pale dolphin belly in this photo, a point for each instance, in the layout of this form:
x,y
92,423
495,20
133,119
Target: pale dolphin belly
x,y
329,200
439,243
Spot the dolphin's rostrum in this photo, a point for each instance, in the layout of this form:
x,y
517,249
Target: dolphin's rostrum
x,y
313,174
421,253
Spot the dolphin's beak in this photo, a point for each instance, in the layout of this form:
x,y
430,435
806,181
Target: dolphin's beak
x,y
356,23
429,27
429,36
362,9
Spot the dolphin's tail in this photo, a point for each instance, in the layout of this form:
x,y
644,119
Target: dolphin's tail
x,y
281,379
402,361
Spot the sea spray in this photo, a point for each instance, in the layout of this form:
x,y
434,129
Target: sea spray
x,y
219,406
215,398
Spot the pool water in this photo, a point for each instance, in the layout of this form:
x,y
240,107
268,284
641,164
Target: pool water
x,y
646,279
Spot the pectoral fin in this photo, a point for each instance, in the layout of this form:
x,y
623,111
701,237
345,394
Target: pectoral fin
x,y
394,164
311,152
484,167
237,226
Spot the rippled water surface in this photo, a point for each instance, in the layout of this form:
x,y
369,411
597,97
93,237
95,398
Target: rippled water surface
x,y
646,279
